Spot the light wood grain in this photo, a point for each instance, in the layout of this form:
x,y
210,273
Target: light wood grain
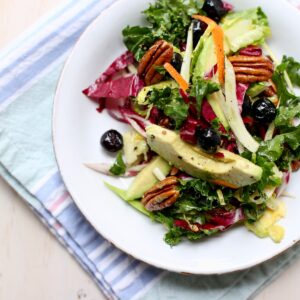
x,y
17,15
33,265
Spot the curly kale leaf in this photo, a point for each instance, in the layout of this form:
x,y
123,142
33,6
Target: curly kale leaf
x,y
202,88
293,69
171,103
168,20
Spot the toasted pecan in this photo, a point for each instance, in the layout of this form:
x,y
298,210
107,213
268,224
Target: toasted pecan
x,y
159,54
250,69
295,165
161,195
253,71
248,59
245,78
271,90
148,56
174,171
264,65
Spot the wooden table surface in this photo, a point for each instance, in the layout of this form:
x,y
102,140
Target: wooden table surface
x,y
33,265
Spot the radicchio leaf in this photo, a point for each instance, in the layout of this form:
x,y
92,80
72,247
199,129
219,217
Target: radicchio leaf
x,y
241,89
188,131
251,51
227,6
115,89
218,220
207,112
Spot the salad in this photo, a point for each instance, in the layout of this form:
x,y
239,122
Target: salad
x,y
214,132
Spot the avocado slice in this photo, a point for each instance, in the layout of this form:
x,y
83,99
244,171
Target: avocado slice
x,y
122,194
232,169
146,179
142,95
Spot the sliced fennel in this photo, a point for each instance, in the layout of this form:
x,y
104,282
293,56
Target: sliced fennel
x,y
159,174
132,69
232,113
216,104
270,132
221,197
187,58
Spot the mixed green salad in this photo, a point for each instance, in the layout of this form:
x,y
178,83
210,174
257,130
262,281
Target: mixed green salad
x,y
214,119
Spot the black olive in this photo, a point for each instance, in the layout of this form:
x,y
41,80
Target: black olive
x,y
214,9
247,106
208,139
263,110
199,28
176,61
112,141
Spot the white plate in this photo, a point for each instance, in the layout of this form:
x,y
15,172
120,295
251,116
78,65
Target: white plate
x,y
77,128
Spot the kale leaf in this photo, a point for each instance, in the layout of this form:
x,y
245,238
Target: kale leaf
x,y
289,107
273,149
197,197
175,234
138,39
293,69
201,88
286,115
168,20
171,103
119,167
286,97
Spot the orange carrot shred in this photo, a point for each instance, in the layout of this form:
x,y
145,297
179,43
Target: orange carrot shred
x,y
218,36
205,19
224,183
177,77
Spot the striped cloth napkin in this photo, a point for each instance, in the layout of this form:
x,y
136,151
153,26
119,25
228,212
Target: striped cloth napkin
x,y
29,70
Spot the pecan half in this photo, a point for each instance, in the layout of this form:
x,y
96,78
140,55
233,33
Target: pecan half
x,y
271,90
253,71
161,195
247,78
263,65
164,122
174,171
248,59
250,69
159,54
295,165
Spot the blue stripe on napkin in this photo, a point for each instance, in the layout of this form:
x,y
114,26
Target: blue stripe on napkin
x,y
55,206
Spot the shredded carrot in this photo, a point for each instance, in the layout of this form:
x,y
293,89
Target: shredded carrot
x,y
204,19
224,183
177,77
218,36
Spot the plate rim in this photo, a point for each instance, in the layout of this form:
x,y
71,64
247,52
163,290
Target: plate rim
x,y
85,214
